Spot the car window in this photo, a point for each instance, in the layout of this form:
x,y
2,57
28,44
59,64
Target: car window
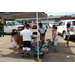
x,y
15,23
62,24
69,22
73,23
8,23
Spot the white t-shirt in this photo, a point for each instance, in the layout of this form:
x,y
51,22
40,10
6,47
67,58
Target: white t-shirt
x,y
42,29
26,34
68,33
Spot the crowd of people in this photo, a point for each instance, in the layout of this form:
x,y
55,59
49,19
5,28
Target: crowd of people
x,y
26,34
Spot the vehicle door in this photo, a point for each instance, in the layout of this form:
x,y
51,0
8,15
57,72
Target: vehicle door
x,y
58,27
61,27
73,27
8,27
14,24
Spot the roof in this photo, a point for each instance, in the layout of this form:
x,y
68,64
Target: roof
x,y
18,15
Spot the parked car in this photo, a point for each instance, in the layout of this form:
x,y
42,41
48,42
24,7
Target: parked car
x,y
46,24
10,25
50,25
33,25
53,23
62,28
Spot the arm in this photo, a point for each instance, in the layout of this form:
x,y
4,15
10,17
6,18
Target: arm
x,y
31,36
21,34
14,39
54,37
11,40
45,31
39,31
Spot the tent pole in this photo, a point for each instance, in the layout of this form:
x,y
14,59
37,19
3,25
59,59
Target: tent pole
x,y
37,34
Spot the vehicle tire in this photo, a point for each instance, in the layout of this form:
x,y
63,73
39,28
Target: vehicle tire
x,y
58,33
49,27
64,36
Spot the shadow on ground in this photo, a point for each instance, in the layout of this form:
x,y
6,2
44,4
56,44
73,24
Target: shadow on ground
x,y
64,54
18,56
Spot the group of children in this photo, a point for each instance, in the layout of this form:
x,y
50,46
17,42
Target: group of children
x,y
26,34
55,35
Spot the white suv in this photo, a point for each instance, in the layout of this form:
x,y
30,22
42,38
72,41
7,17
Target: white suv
x,y
62,28
10,25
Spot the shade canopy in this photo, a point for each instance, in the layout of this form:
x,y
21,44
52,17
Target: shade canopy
x,y
24,15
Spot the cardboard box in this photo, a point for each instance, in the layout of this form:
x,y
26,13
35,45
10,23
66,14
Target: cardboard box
x,y
18,38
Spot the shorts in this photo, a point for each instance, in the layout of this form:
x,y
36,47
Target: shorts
x,y
42,36
27,45
67,37
55,42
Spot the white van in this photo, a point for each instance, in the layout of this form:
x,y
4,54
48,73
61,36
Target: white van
x,y
62,28
10,25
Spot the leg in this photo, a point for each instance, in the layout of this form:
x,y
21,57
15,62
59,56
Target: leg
x,y
68,40
28,50
23,50
55,43
55,47
14,49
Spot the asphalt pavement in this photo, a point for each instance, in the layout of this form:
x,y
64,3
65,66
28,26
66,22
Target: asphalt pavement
x,y
64,54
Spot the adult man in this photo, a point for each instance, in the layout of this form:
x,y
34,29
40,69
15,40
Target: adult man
x,y
26,34
42,30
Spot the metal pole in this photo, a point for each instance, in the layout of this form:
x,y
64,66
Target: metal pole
x,y
37,34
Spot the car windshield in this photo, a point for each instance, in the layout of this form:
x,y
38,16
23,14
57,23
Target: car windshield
x,y
55,23
34,23
15,23
74,23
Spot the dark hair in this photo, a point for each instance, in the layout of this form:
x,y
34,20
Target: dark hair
x,y
12,34
27,25
25,22
55,27
40,24
68,25
13,30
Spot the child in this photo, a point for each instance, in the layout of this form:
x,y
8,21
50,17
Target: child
x,y
55,40
53,34
14,43
67,34
26,34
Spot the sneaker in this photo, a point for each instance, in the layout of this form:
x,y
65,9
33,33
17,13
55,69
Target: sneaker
x,y
55,50
28,55
66,45
16,52
13,52
22,55
52,44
